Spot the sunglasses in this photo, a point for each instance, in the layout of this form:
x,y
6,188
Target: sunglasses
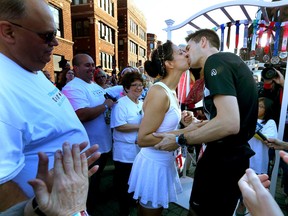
x,y
47,37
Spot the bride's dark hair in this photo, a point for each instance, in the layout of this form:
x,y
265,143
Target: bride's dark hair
x,y
156,66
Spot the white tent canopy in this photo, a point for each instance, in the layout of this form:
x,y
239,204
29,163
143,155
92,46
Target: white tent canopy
x,y
229,12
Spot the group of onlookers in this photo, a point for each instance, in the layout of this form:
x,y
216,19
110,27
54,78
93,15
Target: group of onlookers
x,y
62,130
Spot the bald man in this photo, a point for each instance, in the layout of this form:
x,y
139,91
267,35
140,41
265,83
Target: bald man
x,y
35,115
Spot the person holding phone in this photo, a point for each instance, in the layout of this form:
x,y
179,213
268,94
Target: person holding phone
x,y
276,144
256,197
259,162
266,128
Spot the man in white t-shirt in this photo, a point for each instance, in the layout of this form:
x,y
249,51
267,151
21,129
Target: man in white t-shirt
x,y
34,115
91,106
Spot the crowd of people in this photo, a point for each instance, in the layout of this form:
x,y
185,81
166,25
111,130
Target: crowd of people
x,y
56,138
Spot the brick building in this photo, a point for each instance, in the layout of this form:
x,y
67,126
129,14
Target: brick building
x,y
151,44
94,27
132,35
104,29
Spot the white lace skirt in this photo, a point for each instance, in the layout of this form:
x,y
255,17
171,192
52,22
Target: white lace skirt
x,y
154,177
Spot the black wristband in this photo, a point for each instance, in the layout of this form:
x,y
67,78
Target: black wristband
x,y
36,208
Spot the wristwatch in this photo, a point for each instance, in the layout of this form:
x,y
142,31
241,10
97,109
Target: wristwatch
x,y
181,140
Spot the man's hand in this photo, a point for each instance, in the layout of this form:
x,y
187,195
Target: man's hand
x,y
68,192
276,144
48,175
168,143
284,156
256,196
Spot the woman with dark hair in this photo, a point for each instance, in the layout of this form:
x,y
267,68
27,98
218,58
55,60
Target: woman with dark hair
x,y
66,77
259,162
154,178
267,126
125,121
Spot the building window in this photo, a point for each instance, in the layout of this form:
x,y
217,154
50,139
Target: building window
x,y
81,28
142,52
58,19
105,32
133,47
142,34
107,5
112,9
106,60
133,27
77,2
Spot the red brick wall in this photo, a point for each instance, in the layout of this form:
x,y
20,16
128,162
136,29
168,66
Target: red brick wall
x,y
93,45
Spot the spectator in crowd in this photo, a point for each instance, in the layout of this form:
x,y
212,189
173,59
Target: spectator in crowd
x,y
146,82
114,75
230,100
276,144
69,76
256,197
66,77
272,89
196,93
114,70
90,105
35,115
267,127
154,178
61,78
100,78
125,120
186,82
70,180
125,70
194,102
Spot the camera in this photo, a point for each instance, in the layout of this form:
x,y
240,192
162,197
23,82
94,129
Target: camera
x,y
269,72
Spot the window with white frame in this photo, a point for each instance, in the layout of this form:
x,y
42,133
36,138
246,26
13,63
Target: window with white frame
x,y
58,19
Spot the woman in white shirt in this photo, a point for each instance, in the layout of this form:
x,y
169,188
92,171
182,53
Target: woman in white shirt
x,y
125,121
259,162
